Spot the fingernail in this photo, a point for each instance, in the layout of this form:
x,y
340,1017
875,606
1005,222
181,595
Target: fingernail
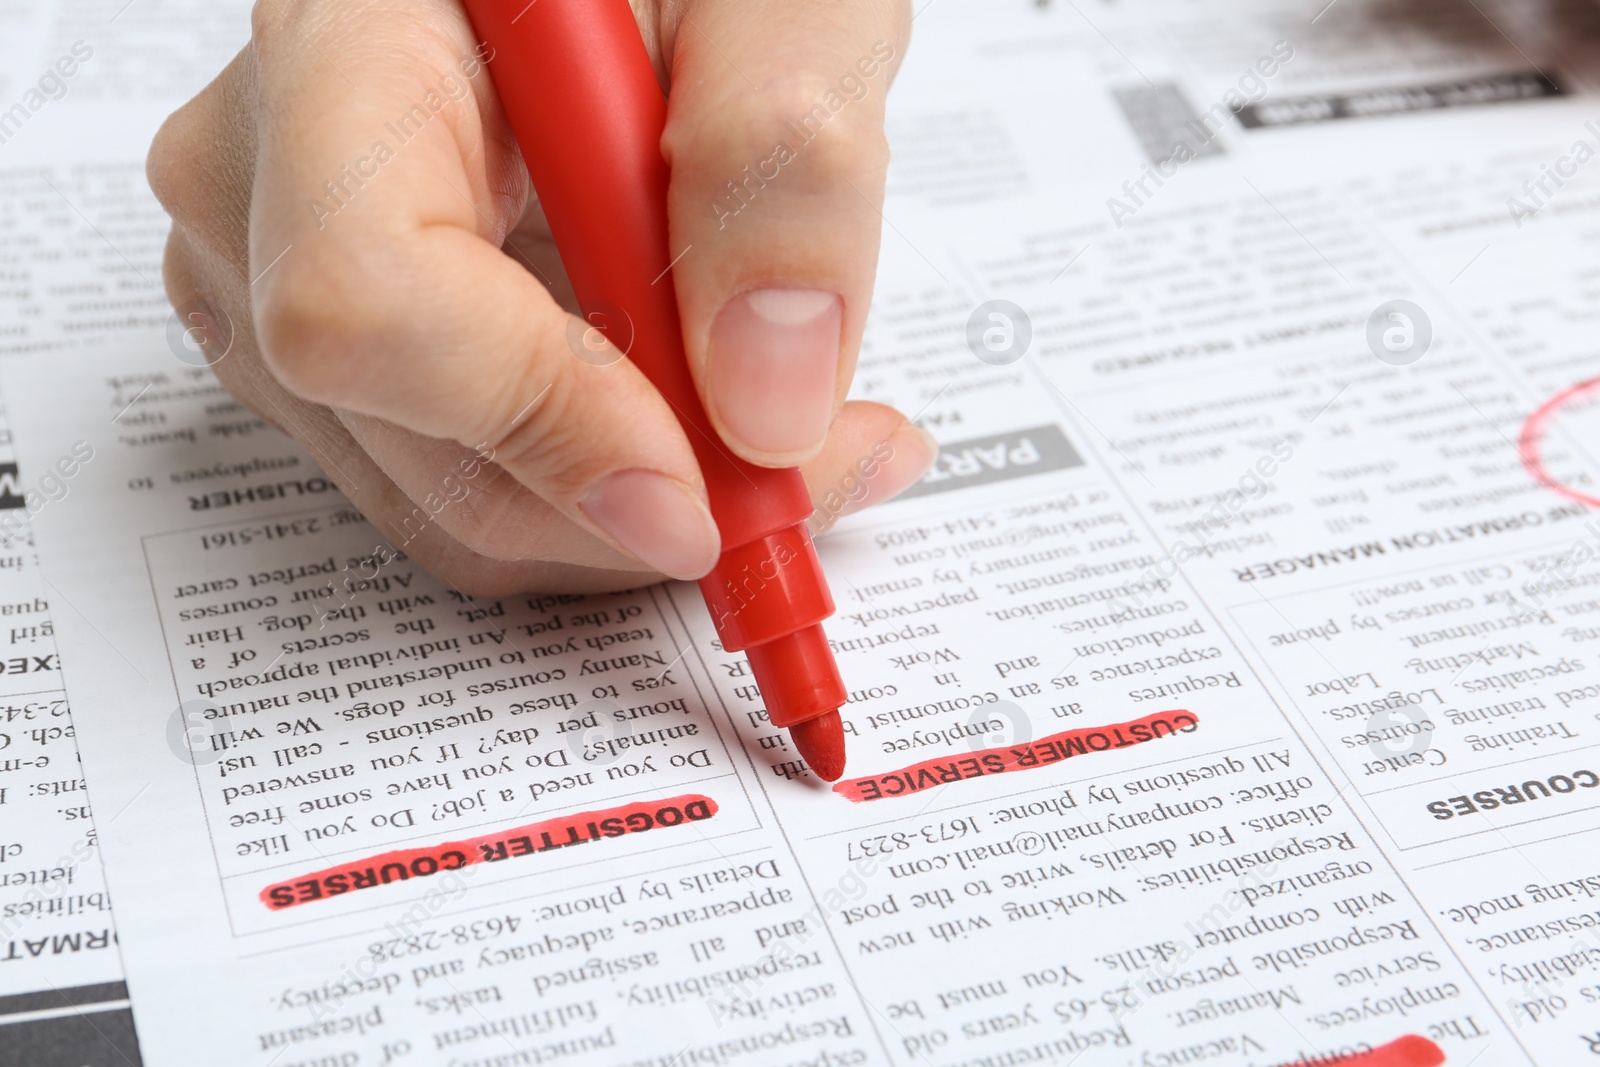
x,y
657,519
773,364
912,452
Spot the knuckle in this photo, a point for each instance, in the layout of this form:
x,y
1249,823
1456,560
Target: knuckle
x,y
312,331
477,580
448,559
265,17
281,30
474,575
852,148
481,521
169,165
269,19
491,579
201,162
177,268
807,121
550,444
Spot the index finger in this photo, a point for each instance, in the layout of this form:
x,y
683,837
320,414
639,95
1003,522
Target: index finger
x,y
386,180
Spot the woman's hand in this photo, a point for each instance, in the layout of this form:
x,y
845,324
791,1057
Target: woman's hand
x,y
354,225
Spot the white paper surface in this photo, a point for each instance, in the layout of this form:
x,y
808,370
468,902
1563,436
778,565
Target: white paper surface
x,y
1205,493
82,88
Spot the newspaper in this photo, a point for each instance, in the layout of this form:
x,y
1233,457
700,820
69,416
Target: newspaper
x,y
1222,694
82,89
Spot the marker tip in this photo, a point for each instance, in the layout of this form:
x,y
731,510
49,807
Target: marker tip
x,y
821,744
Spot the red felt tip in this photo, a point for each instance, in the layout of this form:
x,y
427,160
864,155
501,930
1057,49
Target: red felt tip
x,y
821,744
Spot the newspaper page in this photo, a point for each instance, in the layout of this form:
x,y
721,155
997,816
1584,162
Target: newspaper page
x,y
82,88
1220,696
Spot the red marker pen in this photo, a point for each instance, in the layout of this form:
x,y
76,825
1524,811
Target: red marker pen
x,y
582,97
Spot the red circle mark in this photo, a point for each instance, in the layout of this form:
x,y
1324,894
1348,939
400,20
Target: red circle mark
x,y
1530,441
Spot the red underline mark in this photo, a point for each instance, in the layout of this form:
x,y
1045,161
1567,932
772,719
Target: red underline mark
x,y
1530,441
1409,1051
564,831
1024,757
